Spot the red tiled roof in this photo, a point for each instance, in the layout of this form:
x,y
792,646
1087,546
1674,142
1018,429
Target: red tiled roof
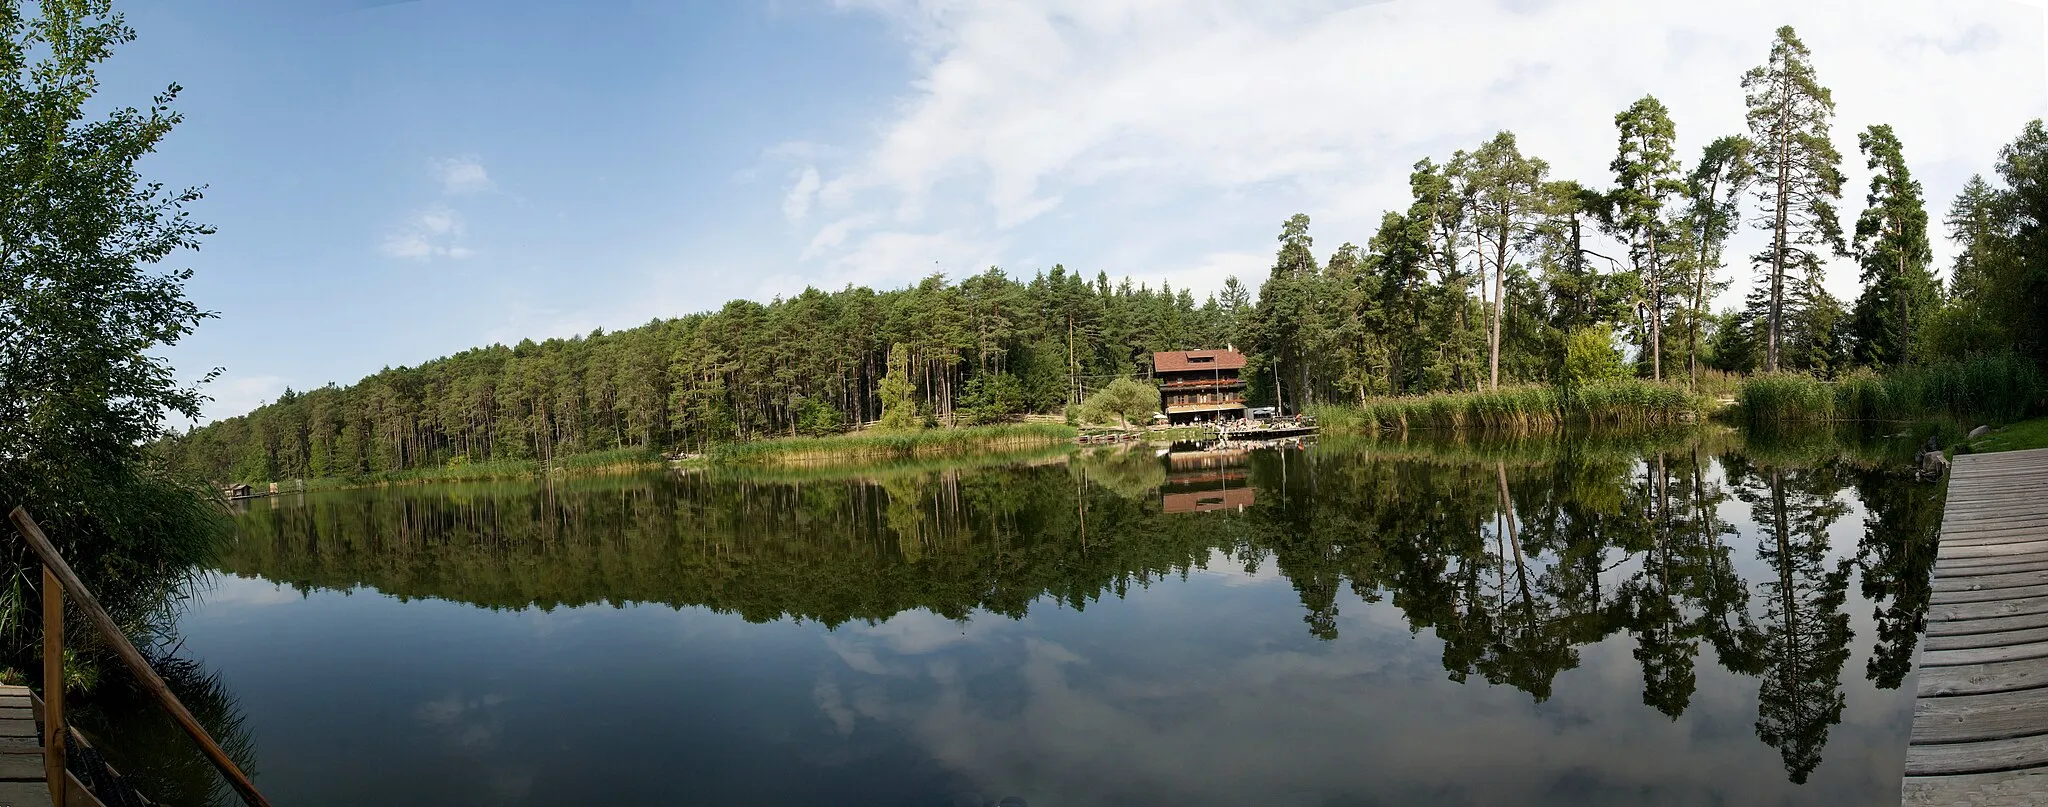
x,y
1177,361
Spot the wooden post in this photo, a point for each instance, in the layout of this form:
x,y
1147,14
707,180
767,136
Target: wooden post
x,y
54,724
53,564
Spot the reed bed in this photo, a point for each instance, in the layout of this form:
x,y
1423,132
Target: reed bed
x,y
890,445
1043,453
1522,408
1996,388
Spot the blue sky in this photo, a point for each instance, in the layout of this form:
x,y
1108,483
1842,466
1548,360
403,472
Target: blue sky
x,y
397,181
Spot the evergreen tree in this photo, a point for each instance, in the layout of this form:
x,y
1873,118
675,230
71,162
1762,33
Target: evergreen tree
x,y
1647,187
1799,177
899,411
1506,197
1713,191
1891,244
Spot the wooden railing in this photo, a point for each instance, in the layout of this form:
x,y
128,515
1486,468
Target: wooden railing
x,y
58,580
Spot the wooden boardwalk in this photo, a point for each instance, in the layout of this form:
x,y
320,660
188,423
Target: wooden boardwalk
x,y
1980,724
22,779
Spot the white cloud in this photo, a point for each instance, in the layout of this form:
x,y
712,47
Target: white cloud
x,y
1071,124
460,175
798,203
432,233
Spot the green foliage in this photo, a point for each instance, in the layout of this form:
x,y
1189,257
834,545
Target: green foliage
x,y
1780,397
86,310
1800,176
631,458
816,418
1626,402
1891,244
1648,184
889,445
1995,387
899,409
1590,358
1124,401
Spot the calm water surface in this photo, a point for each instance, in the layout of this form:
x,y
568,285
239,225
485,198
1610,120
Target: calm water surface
x,y
1675,621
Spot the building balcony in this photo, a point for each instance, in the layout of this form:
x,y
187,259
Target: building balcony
x,y
1202,383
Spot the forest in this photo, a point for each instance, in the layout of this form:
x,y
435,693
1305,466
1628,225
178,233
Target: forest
x,y
1496,273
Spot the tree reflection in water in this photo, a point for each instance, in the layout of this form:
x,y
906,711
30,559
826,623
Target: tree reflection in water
x,y
1514,554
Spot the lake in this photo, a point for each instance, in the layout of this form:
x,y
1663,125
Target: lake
x,y
1672,619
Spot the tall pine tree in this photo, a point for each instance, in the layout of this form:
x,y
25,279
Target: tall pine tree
x,y
1647,185
1799,178
1891,244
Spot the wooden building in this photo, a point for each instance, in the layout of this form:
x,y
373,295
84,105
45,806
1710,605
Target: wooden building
x,y
1199,386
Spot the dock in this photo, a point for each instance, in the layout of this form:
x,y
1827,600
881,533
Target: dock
x,y
1980,718
23,779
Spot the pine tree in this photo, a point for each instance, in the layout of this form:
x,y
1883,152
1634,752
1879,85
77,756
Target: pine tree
x,y
899,409
1799,175
1647,187
1974,224
1506,199
1713,191
1891,244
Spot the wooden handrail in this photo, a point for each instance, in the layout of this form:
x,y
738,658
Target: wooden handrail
x,y
58,575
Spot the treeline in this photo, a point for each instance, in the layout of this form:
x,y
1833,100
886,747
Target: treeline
x,y
979,350
1495,273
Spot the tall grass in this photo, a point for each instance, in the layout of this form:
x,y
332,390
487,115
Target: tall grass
x,y
786,473
1521,408
1998,388
605,460
890,445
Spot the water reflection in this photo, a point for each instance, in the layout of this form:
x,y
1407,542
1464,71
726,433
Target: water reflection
x,y
1689,561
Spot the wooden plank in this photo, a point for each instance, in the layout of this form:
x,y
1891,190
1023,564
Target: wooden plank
x,y
24,794
2007,528
1993,528
2006,789
1975,718
1987,610
2005,638
1957,567
21,745
2033,561
21,767
18,728
1964,627
1997,580
1994,551
1987,625
1986,594
1982,757
1983,655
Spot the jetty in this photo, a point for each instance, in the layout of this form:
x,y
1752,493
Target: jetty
x,y
44,760
1980,718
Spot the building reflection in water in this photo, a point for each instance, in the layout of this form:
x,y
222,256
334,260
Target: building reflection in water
x,y
1203,479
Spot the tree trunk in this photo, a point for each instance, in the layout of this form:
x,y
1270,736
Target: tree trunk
x,y
1779,226
1500,269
